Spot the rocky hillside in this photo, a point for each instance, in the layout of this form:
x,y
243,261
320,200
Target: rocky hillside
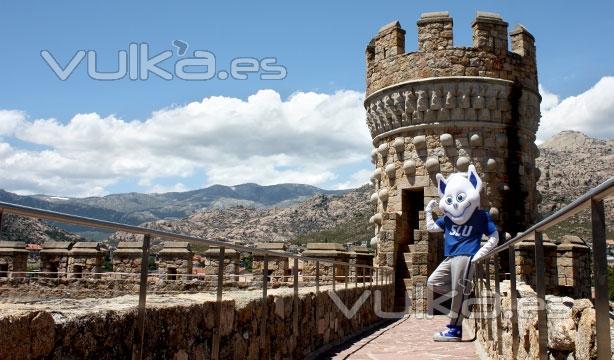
x,y
136,208
17,228
339,218
571,164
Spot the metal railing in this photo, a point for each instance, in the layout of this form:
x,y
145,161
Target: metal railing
x,y
593,199
372,275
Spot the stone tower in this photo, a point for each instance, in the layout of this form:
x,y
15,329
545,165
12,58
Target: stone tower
x,y
439,109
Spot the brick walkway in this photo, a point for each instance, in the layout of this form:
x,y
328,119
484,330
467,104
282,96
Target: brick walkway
x,y
408,338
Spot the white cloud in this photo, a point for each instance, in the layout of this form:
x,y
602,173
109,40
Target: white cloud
x,y
591,112
263,139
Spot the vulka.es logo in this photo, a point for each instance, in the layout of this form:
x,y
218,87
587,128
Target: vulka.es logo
x,y
136,63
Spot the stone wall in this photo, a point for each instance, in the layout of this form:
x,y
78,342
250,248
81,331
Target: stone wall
x,y
13,258
85,258
567,264
278,267
326,251
128,257
175,258
54,258
185,332
232,261
571,327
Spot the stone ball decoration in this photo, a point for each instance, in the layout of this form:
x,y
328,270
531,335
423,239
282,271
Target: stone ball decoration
x,y
409,167
399,145
491,165
374,156
432,164
494,213
383,195
374,198
390,170
374,240
376,219
446,140
419,142
377,174
383,149
475,140
462,163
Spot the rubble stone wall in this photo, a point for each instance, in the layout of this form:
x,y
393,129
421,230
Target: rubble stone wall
x,y
185,332
571,327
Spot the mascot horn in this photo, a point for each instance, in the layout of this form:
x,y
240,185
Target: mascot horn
x,y
463,225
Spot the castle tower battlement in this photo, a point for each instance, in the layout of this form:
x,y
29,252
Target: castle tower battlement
x,y
439,109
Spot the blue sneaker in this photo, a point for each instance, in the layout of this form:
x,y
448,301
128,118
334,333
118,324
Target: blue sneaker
x,y
454,333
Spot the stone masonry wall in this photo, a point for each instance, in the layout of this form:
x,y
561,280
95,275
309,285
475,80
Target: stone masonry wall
x,y
185,332
571,327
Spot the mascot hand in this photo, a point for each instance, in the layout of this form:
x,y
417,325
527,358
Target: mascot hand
x,y
430,206
431,226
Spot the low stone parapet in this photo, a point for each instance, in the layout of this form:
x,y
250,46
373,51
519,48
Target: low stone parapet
x,y
571,326
184,328
278,266
175,258
127,257
85,257
54,258
326,251
232,260
13,258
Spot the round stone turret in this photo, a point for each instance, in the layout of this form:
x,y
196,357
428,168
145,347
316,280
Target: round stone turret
x,y
441,108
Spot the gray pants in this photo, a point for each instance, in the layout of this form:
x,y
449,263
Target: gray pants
x,y
452,279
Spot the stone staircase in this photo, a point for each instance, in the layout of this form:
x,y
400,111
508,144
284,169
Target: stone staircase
x,y
419,259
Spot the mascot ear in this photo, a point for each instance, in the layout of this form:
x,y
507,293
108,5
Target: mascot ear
x,y
441,184
474,179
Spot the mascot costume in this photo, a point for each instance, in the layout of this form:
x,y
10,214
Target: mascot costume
x,y
463,225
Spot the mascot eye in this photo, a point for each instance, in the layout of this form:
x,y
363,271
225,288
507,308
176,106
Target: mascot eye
x,y
449,200
460,197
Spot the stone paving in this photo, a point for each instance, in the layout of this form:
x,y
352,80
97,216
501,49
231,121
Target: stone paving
x,y
408,338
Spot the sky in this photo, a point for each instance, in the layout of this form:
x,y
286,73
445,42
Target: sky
x,y
84,136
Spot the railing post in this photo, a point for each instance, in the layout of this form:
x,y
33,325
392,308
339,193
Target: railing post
x,y
513,299
265,307
600,269
540,284
364,275
215,347
138,352
317,276
296,300
334,275
497,306
345,278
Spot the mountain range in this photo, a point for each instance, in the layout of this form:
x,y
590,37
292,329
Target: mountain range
x,y
570,162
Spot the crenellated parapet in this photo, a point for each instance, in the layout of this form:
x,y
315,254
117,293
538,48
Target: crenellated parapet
x,y
389,64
